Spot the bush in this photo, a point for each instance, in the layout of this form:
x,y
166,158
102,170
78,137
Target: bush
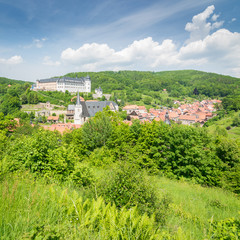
x,y
82,175
236,121
127,187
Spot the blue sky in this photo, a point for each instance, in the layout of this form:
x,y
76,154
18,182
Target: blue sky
x,y
41,39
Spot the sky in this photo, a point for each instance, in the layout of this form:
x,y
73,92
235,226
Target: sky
x,y
47,38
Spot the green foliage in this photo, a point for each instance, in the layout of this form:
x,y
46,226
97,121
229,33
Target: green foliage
x,y
126,186
129,86
101,157
31,153
51,212
236,121
82,175
96,131
225,229
231,103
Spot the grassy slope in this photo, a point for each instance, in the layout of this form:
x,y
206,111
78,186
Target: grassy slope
x,y
194,206
27,202
234,132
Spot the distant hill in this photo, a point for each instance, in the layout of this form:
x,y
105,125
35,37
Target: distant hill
x,y
7,81
177,83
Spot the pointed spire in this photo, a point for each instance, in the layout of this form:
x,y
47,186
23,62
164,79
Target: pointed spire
x,y
78,99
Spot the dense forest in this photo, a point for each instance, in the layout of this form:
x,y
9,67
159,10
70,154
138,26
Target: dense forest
x,y
111,180
147,87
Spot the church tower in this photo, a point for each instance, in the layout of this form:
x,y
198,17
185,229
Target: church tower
x,y
167,119
78,119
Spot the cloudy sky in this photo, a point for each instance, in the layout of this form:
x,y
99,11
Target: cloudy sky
x,y
41,39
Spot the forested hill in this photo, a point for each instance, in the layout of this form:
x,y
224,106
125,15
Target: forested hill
x,y
6,81
177,83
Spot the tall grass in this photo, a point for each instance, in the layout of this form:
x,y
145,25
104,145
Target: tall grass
x,y
32,209
193,207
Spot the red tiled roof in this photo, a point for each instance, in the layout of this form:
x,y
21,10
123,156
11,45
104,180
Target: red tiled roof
x,y
61,127
173,115
142,108
187,117
54,118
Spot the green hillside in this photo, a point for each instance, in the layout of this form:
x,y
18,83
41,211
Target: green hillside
x,y
133,85
228,125
6,81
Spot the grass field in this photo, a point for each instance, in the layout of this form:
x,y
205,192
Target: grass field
x,y
34,209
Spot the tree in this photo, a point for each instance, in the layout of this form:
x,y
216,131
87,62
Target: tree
x,y
97,130
147,100
236,121
24,99
195,91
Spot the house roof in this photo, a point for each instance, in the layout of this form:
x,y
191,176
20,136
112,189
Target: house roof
x,y
71,107
90,108
187,117
130,107
54,118
94,107
85,112
61,127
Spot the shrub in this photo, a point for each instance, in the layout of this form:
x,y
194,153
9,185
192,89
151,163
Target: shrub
x,y
236,121
82,175
127,187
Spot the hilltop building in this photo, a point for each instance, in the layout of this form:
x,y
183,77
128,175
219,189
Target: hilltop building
x,y
73,85
98,93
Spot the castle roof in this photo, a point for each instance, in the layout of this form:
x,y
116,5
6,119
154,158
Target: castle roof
x,y
66,79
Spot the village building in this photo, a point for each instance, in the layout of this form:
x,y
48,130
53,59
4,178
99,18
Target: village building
x,y
87,109
53,119
188,114
99,94
63,84
136,108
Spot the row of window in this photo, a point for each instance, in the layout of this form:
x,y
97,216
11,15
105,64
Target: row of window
x,y
93,106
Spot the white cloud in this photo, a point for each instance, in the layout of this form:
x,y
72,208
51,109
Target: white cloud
x,y
39,42
234,19
199,28
143,53
219,51
215,17
47,61
12,60
88,53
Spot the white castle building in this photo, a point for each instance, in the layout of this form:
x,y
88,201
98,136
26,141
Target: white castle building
x,y
82,84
